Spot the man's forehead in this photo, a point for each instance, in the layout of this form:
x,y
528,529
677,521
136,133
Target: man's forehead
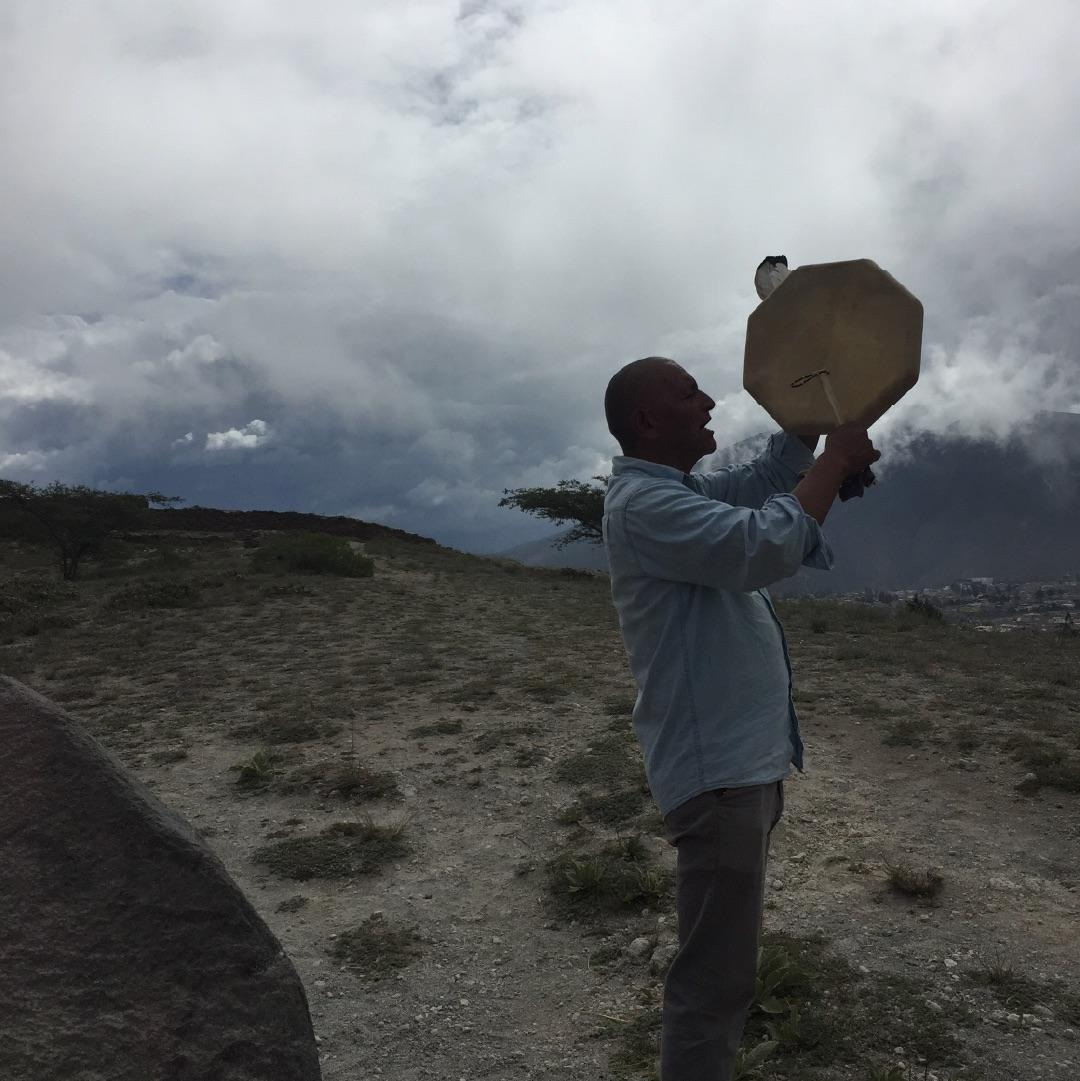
x,y
673,374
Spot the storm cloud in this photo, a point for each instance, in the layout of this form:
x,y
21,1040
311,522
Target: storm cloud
x,y
381,259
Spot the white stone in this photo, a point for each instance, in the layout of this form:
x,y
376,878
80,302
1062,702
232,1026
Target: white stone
x,y
662,956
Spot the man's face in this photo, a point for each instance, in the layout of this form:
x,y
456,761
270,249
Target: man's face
x,y
679,415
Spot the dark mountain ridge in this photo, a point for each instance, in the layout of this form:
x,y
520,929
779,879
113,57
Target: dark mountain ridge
x,y
944,508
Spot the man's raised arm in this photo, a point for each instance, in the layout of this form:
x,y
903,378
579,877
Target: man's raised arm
x,y
848,451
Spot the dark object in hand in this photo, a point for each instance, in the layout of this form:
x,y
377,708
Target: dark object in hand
x,y
856,484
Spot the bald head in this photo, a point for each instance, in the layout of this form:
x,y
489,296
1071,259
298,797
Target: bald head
x,y
657,412
631,386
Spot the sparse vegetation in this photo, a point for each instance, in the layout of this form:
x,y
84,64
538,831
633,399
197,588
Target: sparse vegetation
x,y
31,593
1053,766
376,948
168,755
637,1041
74,521
499,737
607,761
311,553
343,779
285,728
527,757
907,880
339,851
440,727
292,904
821,1015
749,1061
920,606
156,593
307,669
618,875
907,732
288,589
619,706
469,694
258,771
1021,994
608,808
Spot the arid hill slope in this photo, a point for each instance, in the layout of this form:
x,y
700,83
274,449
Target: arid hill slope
x,y
469,722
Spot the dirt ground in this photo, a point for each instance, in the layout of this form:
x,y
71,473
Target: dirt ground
x,y
508,983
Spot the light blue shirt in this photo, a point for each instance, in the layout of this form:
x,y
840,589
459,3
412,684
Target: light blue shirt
x,y
690,556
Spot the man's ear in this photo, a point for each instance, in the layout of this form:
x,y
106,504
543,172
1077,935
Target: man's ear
x,y
641,424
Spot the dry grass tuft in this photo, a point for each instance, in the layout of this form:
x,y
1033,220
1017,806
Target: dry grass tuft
x,y
339,851
376,949
905,879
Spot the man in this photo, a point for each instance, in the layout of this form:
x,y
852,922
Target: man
x,y
690,556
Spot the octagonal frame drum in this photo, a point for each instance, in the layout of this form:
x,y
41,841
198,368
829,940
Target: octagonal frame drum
x,y
850,320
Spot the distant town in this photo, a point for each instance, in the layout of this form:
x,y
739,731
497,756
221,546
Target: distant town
x,y
990,604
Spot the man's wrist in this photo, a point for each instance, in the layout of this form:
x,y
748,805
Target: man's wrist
x,y
831,467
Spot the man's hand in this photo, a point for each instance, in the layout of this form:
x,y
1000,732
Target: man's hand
x,y
848,451
850,447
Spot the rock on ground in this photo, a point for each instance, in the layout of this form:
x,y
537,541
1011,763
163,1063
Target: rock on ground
x,y
128,952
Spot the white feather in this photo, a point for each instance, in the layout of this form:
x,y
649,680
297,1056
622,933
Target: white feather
x,y
769,275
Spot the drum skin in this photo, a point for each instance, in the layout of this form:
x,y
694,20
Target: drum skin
x,y
851,320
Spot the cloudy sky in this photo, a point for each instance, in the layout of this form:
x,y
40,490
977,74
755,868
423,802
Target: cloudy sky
x,y
381,258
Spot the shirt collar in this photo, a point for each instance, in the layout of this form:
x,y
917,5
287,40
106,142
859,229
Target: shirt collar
x,y
623,463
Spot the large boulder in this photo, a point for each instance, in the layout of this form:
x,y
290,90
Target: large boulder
x,y
127,952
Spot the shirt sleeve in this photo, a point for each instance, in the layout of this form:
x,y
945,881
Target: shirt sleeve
x,y
775,470
682,536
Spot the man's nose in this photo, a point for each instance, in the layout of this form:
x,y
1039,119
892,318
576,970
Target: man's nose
x,y
710,403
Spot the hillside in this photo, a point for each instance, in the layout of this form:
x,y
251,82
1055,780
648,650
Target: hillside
x,y
945,509
470,719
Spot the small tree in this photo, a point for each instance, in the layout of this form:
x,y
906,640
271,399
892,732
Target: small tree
x,y
574,501
75,520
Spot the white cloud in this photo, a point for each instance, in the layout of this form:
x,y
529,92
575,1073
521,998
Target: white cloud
x,y
25,466
253,434
23,382
202,350
383,513
424,235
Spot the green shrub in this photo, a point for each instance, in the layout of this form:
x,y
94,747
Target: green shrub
x,y
618,876
780,975
256,772
920,606
311,553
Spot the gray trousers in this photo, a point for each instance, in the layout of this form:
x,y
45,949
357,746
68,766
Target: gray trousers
x,y
722,840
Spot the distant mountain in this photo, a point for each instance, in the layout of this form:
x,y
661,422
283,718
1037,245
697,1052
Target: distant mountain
x,y
947,508
545,553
